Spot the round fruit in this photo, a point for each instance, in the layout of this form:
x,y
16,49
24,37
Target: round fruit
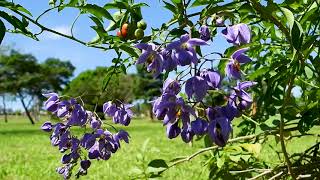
x,y
119,34
131,30
125,27
139,34
124,30
142,25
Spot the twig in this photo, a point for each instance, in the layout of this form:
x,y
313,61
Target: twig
x,y
277,175
260,175
249,170
73,23
46,11
44,28
283,146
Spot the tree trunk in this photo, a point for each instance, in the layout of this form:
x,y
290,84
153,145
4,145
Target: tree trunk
x,y
4,108
25,108
150,112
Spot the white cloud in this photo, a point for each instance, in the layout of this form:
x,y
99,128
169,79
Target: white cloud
x,y
61,29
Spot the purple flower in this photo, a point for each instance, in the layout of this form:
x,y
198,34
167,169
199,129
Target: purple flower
x,y
78,116
213,78
152,57
123,115
52,102
220,21
85,164
173,130
237,34
169,62
47,126
204,33
196,86
199,126
184,51
187,133
219,130
171,86
233,67
240,98
109,108
121,135
165,106
95,124
66,158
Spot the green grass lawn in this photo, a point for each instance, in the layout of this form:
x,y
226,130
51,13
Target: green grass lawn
x,y
26,152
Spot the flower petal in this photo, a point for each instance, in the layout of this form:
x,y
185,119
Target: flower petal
x,y
197,42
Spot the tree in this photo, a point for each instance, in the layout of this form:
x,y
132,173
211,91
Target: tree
x,y
88,85
147,87
23,76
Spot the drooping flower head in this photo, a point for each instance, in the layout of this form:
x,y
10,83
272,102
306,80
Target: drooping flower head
x,y
151,57
171,86
185,53
240,97
237,58
196,87
219,130
169,62
52,102
120,113
213,78
199,126
204,33
237,34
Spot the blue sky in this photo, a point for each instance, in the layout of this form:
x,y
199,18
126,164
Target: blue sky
x,y
82,57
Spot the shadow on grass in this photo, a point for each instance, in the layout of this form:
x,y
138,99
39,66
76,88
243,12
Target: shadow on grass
x,y
28,132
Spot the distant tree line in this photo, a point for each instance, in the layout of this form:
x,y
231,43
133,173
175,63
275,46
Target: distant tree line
x,y
124,87
25,78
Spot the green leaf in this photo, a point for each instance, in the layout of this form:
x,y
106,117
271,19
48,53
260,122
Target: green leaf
x,y
245,157
205,2
289,16
15,22
96,11
136,171
2,31
116,5
235,158
255,149
176,1
170,7
297,35
130,50
157,166
220,162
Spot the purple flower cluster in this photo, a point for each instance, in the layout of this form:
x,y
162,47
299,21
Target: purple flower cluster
x,y
180,52
99,143
180,115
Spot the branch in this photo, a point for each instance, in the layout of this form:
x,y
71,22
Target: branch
x,y
283,146
44,28
271,132
214,147
260,175
277,175
267,15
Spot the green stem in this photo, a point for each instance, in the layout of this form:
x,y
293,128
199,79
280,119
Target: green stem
x,y
282,123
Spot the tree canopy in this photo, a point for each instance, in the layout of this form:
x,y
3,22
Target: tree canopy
x,y
23,76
